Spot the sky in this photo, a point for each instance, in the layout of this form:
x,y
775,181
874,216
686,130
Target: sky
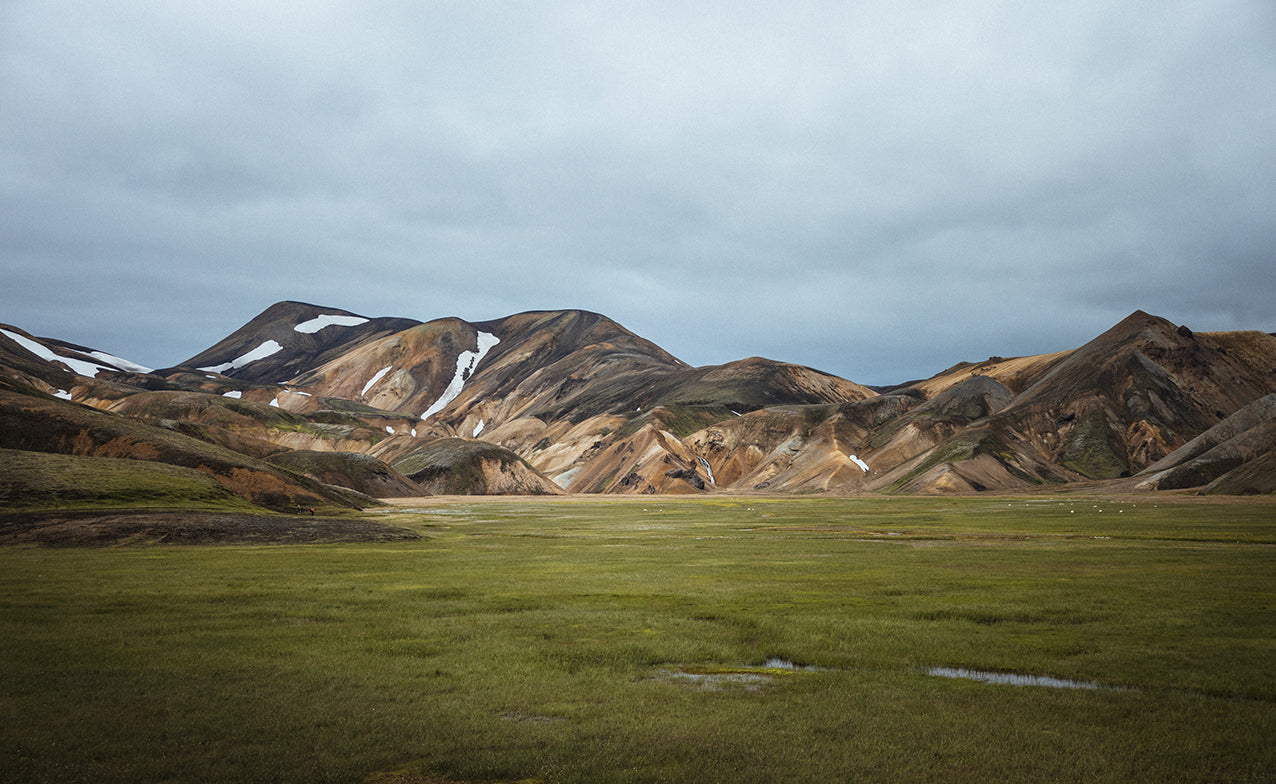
x,y
874,189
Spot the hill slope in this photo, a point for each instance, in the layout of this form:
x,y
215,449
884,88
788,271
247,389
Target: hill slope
x,y
545,401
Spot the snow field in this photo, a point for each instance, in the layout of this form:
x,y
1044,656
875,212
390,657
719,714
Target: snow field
x,y
380,374
328,320
77,366
122,364
466,361
708,469
261,352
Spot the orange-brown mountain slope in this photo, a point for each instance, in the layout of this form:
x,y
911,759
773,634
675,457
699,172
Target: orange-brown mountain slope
x,y
570,400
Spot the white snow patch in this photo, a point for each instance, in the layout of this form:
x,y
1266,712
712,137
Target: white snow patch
x,y
275,402
389,430
235,393
860,463
466,361
62,393
329,320
708,469
565,479
78,366
380,374
122,364
261,352
414,432
478,428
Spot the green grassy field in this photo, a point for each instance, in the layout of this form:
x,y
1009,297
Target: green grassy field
x,y
636,640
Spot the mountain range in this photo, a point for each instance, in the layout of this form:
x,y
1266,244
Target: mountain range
x,y
307,405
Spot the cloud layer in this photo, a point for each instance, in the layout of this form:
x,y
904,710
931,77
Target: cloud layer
x,y
876,189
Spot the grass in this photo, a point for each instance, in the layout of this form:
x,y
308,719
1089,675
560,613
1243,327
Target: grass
x,y
1093,450
45,481
541,640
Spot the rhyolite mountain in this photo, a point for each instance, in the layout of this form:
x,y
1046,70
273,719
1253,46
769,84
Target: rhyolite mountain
x,y
571,401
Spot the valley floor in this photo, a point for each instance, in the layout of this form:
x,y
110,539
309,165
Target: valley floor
x,y
709,639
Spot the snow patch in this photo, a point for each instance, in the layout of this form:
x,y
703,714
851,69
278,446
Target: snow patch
x,y
466,361
62,393
389,430
380,374
478,428
565,479
707,469
329,320
122,364
860,463
275,402
261,352
77,366
414,432
235,393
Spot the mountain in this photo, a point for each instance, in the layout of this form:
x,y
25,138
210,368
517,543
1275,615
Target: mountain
x,y
289,337
1233,456
570,401
37,423
1106,410
460,466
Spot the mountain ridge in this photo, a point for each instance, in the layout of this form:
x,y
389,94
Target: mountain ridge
x,y
570,400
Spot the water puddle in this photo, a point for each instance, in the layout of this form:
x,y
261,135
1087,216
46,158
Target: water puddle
x,y
1010,678
785,664
716,681
748,678
754,677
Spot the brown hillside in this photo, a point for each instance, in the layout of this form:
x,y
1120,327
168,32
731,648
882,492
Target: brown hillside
x,y
298,351
354,470
457,466
1134,394
46,425
546,400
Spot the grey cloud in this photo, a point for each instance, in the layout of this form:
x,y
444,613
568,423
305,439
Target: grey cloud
x,y
876,189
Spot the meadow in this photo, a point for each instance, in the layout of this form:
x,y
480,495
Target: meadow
x,y
661,639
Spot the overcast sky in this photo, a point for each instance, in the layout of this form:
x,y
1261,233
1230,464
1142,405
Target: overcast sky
x,y
875,189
